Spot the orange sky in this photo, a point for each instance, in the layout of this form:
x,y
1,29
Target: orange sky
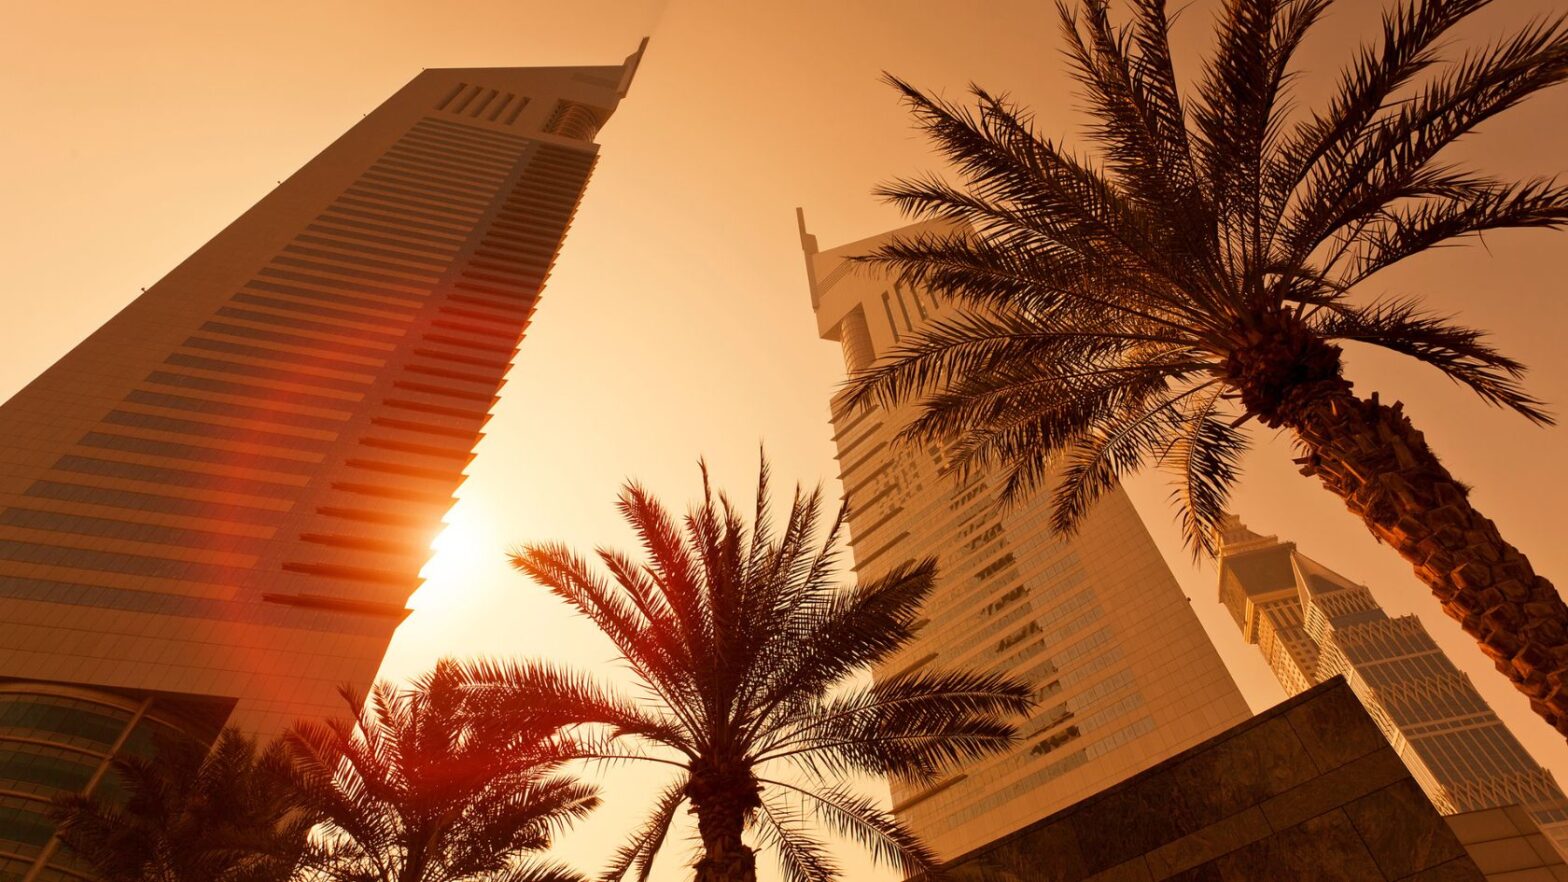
x,y
678,322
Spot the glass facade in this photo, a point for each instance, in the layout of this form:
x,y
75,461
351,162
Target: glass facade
x,y
57,740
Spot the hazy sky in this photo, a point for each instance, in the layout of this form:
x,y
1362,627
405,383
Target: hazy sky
x,y
677,322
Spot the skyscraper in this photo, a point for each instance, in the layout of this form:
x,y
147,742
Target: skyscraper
x,y
1125,675
214,509
1313,624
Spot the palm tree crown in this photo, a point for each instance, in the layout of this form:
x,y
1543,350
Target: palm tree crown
x,y
405,792
187,814
1135,306
747,654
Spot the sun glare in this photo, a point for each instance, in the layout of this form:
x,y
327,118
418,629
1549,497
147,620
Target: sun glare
x,y
462,549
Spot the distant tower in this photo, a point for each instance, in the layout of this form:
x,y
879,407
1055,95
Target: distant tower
x,y
1313,624
213,510
1125,674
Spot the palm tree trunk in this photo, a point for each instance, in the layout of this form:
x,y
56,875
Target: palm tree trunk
x,y
725,858
1374,459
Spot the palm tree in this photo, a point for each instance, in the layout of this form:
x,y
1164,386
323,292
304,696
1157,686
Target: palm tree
x,y
188,814
1136,308
748,655
406,793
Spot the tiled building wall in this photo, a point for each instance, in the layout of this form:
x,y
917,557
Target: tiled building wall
x,y
1124,674
224,496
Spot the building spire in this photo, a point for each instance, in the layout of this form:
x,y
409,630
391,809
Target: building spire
x,y
1233,534
808,247
629,68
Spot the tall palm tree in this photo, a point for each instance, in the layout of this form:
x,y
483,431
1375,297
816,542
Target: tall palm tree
x,y
405,792
187,814
747,655
1134,306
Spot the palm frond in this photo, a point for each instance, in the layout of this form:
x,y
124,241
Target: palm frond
x,y
1401,232
767,637
1461,353
853,630
913,726
1140,118
414,781
532,871
515,693
859,819
1204,460
1011,172
1111,303
1411,33
801,857
638,853
224,814
1385,164
1119,444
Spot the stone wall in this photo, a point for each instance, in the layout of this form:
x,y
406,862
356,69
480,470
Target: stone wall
x,y
1508,846
1308,790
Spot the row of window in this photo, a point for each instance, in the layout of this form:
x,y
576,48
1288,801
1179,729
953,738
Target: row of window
x,y
157,534
43,770
422,164
269,394
125,564
24,825
456,210
300,271
374,357
315,360
418,272
384,315
343,221
130,471
263,372
424,184
64,720
197,453
980,630
233,411
899,293
487,139
1050,637
151,602
965,603
404,222
474,157
408,180
173,505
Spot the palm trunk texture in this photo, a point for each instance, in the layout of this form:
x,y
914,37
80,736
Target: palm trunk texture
x,y
723,792
1373,458
725,858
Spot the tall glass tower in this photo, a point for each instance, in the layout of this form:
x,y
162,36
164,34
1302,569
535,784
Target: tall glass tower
x,y
1313,624
1125,675
213,510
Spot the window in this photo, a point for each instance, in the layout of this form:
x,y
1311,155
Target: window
x,y
887,305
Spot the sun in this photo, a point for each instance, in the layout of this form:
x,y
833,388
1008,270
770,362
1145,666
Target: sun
x,y
462,550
